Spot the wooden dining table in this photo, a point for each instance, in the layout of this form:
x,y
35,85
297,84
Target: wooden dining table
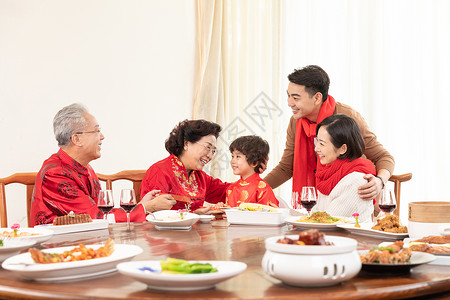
x,y
218,240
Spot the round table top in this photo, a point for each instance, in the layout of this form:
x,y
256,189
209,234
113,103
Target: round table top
x,y
219,241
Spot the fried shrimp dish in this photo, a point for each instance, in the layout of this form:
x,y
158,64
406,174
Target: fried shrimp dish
x,y
392,254
78,253
391,224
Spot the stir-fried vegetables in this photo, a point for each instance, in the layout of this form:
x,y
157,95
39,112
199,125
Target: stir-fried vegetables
x,y
181,266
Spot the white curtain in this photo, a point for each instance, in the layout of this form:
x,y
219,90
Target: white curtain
x,y
239,77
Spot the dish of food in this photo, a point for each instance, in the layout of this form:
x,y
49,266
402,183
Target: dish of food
x,y
306,238
329,222
437,245
26,268
416,259
96,224
149,272
172,219
36,234
10,247
72,218
206,218
366,229
276,217
392,253
390,223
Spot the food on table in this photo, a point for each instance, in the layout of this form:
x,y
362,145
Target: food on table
x,y
181,266
431,244
76,254
307,237
321,217
1,243
257,207
72,218
390,223
18,234
391,254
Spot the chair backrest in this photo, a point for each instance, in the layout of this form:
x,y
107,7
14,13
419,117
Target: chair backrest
x,y
27,179
135,176
397,180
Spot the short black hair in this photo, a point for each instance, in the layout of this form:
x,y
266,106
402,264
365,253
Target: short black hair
x,y
255,149
344,130
314,78
190,131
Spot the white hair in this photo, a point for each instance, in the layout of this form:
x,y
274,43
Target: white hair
x,y
68,121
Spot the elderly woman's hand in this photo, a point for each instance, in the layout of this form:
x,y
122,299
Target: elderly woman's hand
x,y
152,201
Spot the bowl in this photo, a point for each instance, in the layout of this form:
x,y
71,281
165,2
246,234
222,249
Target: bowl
x,y
12,246
206,218
264,218
311,266
169,219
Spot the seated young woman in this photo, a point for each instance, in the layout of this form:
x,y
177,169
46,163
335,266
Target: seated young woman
x,y
341,170
191,145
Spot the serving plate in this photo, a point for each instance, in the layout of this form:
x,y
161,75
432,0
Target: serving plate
x,y
321,226
180,282
206,218
42,235
163,220
417,259
26,268
245,217
61,229
12,246
366,230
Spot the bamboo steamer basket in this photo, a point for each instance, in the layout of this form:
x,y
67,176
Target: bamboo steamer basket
x,y
429,212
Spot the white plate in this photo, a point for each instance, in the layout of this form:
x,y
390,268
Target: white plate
x,y
42,234
323,226
180,282
162,216
12,246
366,230
407,241
417,258
26,268
60,229
244,217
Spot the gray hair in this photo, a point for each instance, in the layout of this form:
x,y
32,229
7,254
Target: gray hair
x,y
68,121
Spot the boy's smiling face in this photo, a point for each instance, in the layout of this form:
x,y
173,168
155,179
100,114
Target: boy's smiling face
x,y
240,165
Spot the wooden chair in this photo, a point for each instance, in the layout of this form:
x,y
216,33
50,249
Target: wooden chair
x,y
27,179
135,176
397,180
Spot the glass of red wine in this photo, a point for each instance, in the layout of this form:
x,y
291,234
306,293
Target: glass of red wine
x,y
105,202
387,202
128,202
308,198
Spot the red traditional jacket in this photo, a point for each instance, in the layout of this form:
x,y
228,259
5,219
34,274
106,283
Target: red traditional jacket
x,y
251,190
63,185
169,175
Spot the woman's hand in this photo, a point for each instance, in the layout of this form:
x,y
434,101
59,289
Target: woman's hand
x,y
153,201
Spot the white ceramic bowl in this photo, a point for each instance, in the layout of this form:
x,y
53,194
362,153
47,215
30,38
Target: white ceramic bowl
x,y
206,218
312,266
165,218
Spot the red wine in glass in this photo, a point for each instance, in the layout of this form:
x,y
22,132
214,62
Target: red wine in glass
x,y
127,207
387,208
105,208
308,204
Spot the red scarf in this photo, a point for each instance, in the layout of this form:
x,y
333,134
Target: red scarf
x,y
304,155
327,176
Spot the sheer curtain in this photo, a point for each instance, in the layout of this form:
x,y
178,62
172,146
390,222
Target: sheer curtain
x,y
387,59
238,80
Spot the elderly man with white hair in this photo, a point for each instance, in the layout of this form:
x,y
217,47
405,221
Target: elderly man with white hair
x,y
66,181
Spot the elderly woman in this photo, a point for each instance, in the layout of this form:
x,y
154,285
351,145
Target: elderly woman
x,y
66,181
191,144
341,170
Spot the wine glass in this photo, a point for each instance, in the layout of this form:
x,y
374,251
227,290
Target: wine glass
x,y
105,202
387,202
308,198
127,202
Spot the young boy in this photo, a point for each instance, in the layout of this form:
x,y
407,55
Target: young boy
x,y
247,155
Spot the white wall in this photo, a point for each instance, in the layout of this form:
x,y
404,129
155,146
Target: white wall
x,y
130,62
